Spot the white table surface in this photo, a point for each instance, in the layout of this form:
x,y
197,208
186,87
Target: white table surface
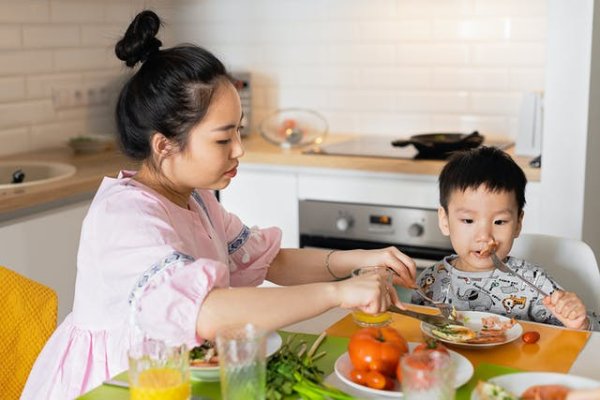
x,y
587,363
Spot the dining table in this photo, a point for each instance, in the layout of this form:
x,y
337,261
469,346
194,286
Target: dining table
x,y
558,350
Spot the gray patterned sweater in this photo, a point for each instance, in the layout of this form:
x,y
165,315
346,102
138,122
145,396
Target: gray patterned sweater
x,y
493,291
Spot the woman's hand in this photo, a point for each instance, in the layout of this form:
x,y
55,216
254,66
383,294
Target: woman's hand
x,y
369,293
404,267
568,309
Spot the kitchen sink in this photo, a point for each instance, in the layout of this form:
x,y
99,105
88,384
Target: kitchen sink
x,y
16,175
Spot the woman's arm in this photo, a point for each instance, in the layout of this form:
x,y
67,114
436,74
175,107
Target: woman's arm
x,y
298,266
273,308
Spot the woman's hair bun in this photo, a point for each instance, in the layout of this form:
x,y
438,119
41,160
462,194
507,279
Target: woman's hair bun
x,y
140,40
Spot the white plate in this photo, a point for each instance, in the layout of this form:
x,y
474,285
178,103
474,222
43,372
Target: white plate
x,y
343,367
472,319
211,374
519,382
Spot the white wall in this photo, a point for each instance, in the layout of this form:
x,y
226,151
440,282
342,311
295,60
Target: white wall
x,y
393,67
50,44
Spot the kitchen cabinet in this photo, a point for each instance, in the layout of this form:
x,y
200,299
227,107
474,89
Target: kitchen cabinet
x,y
268,195
265,197
43,247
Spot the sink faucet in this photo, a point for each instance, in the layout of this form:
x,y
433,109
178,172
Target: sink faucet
x,y
18,176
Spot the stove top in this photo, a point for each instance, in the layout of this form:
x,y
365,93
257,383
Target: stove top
x,y
381,147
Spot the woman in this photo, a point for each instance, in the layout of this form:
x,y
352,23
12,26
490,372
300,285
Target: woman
x,y
159,254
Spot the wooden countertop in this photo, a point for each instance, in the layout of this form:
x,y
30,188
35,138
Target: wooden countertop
x,y
91,168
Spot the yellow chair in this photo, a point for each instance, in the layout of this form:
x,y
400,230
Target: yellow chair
x,y
27,319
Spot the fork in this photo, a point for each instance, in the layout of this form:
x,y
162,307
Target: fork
x,y
445,308
504,268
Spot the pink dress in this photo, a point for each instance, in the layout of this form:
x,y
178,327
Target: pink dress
x,y
139,250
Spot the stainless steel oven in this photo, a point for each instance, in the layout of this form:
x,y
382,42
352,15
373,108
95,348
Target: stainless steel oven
x,y
345,226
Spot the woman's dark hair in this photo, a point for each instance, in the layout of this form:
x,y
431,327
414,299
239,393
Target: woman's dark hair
x,y
488,166
171,91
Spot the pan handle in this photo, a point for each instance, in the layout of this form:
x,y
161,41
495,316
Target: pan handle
x,y
401,143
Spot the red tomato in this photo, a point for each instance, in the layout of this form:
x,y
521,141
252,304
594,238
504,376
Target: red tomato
x,y
359,376
376,380
431,345
531,337
377,349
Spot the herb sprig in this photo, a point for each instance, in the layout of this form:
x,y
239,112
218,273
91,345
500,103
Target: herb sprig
x,y
291,373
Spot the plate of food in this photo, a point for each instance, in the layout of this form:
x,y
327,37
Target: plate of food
x,y
204,360
343,367
530,386
480,330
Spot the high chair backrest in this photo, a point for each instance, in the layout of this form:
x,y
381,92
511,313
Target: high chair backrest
x,y
27,319
570,262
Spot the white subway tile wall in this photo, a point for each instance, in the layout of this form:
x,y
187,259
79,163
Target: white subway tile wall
x,y
47,45
391,67
394,67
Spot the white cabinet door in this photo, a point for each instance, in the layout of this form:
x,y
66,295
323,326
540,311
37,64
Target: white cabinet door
x,y
43,247
265,197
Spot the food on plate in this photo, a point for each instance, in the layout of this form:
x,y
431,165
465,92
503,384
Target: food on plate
x,y
491,391
489,248
546,392
493,331
454,333
204,355
531,337
379,350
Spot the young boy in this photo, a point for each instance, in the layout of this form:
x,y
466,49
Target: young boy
x,y
482,195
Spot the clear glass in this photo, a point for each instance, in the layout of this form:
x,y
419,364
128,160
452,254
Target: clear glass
x,y
428,375
158,371
242,362
368,320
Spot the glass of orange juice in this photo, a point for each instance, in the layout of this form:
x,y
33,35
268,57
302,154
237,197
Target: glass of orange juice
x,y
367,320
158,371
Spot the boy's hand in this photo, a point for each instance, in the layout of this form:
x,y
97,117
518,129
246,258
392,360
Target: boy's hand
x,y
568,309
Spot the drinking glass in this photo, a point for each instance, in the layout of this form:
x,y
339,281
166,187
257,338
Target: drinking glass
x,y
242,362
428,375
380,319
158,371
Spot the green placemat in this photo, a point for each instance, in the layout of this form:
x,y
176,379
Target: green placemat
x,y
333,346
483,372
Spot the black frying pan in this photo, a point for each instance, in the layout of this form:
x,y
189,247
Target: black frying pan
x,y
440,145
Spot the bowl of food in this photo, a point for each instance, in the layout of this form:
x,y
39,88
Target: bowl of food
x,y
294,127
86,144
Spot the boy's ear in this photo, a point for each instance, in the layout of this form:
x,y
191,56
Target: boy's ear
x,y
443,221
519,224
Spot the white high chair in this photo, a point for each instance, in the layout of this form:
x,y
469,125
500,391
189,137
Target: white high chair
x,y
570,262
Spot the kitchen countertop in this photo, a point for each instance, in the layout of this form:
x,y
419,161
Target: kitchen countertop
x,y
259,151
91,168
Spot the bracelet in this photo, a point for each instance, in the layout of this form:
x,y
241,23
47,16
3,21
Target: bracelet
x,y
328,267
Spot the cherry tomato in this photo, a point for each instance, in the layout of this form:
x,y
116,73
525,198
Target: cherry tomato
x,y
359,376
376,380
377,349
531,337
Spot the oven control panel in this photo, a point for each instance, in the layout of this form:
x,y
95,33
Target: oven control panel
x,y
405,226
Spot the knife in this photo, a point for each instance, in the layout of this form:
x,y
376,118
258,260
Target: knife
x,y
436,320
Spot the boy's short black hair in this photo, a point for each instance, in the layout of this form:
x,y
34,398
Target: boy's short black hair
x,y
487,166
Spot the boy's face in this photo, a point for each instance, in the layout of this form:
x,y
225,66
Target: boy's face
x,y
475,217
